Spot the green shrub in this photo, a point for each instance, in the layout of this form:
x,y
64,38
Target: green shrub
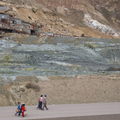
x,y
34,10
29,17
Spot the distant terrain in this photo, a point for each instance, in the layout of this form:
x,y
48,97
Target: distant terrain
x,y
59,56
67,69
99,19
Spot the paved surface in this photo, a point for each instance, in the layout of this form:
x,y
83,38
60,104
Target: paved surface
x,y
94,111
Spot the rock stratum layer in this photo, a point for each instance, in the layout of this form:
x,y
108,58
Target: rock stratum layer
x,y
60,56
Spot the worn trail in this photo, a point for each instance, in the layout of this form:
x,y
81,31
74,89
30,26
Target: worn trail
x,y
78,111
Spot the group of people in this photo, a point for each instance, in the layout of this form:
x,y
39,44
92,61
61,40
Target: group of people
x,y
42,102
20,109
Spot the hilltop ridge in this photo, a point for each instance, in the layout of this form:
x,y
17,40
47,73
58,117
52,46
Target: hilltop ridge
x,y
71,17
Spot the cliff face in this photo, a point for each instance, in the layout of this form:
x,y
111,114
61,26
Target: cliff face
x,y
73,17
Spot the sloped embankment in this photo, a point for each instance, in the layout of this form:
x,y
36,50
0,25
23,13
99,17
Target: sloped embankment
x,y
60,90
60,56
24,67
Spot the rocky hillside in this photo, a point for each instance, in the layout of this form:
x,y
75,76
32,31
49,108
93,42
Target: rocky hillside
x,y
31,65
101,15
72,17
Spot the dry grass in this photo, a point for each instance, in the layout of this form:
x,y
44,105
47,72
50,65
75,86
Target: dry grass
x,y
22,89
33,86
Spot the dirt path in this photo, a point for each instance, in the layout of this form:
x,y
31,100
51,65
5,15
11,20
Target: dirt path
x,y
61,111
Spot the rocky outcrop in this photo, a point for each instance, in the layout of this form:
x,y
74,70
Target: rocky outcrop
x,y
100,27
109,10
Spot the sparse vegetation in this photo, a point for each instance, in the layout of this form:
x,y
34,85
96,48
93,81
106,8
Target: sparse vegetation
x,y
91,46
33,86
54,14
33,10
22,89
7,10
44,12
29,17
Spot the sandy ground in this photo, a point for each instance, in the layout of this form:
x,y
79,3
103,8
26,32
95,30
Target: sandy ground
x,y
82,89
98,117
63,90
65,111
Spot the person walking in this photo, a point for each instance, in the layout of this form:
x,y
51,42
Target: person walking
x,y
23,110
45,102
38,103
18,109
41,99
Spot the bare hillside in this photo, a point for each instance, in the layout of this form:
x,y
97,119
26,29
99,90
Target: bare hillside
x,y
71,17
60,90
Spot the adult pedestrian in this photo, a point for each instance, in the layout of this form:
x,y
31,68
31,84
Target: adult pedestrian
x,y
20,109
41,99
38,102
45,102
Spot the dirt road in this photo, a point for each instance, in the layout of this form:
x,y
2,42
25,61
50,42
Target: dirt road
x,y
107,110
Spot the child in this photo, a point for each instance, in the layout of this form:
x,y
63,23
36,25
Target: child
x,y
18,109
23,110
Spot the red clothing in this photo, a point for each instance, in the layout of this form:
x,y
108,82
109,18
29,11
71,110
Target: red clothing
x,y
23,114
23,108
